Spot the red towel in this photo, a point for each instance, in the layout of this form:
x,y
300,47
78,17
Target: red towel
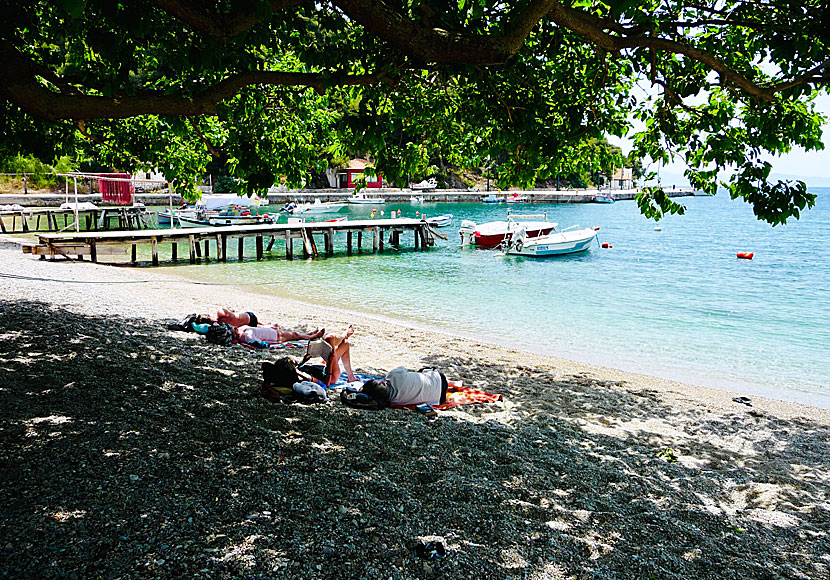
x,y
119,192
457,396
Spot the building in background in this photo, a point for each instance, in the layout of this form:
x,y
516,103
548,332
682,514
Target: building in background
x,y
347,178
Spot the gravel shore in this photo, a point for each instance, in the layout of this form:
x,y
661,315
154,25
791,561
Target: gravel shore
x,y
129,451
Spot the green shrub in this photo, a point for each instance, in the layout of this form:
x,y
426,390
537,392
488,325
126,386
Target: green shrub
x,y
225,184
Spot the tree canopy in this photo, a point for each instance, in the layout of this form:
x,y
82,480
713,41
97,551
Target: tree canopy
x,y
271,88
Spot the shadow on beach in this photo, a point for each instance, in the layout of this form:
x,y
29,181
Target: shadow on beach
x,y
131,451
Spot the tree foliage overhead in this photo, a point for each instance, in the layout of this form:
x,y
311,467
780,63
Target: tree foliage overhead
x,y
275,88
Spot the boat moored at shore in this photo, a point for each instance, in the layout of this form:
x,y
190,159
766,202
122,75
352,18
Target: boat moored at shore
x,y
491,234
558,243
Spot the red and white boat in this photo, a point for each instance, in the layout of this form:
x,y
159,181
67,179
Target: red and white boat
x,y
491,234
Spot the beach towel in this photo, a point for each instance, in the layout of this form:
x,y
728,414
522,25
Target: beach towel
x,y
260,345
457,396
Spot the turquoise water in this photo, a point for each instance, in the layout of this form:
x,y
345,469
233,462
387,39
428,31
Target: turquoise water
x,y
675,303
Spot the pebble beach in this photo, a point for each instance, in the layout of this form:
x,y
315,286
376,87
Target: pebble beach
x,y
131,451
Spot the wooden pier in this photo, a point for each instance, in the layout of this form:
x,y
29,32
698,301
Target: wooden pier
x,y
102,218
198,241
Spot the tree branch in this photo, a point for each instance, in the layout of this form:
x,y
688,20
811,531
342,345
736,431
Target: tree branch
x,y
593,28
438,45
215,25
203,139
19,84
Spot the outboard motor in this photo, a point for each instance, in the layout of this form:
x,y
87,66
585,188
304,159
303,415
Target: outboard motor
x,y
467,231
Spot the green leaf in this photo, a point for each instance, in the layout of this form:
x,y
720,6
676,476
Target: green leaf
x,y
75,8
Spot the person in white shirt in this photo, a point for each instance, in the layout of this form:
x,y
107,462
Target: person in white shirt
x,y
403,387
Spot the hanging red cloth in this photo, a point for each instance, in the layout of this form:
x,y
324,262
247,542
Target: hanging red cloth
x,y
118,192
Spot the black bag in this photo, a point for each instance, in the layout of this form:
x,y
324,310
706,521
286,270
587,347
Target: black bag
x,y
184,325
278,378
219,334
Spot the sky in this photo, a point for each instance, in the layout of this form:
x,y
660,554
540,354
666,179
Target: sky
x,y
812,167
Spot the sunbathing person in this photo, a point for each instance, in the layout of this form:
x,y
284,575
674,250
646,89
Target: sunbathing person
x,y
272,334
334,350
234,318
225,316
403,387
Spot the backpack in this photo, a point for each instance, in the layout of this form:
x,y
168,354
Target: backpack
x,y
278,378
219,334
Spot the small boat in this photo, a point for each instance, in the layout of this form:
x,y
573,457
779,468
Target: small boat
x,y
237,220
80,206
232,216
296,220
516,198
164,215
603,197
561,242
192,221
440,221
492,198
363,200
318,207
425,185
491,234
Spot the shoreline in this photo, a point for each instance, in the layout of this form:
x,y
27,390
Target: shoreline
x,y
292,307
133,451
719,391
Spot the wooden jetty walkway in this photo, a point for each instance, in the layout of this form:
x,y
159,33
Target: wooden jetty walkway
x,y
102,218
198,241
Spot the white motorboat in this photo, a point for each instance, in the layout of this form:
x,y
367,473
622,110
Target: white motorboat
x,y
164,215
197,215
603,197
80,206
425,185
491,234
440,221
296,220
363,200
493,198
230,216
568,241
318,207
237,220
191,221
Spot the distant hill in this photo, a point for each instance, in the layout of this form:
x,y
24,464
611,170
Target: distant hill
x,y
670,177
808,179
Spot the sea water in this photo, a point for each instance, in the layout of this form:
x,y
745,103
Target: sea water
x,y
675,303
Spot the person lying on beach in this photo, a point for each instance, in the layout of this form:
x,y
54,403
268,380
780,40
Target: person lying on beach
x,y
272,334
233,318
223,316
335,350
403,387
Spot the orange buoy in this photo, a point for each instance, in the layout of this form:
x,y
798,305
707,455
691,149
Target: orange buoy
x,y
746,255
606,245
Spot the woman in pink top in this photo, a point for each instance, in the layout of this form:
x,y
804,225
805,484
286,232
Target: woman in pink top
x,y
272,334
